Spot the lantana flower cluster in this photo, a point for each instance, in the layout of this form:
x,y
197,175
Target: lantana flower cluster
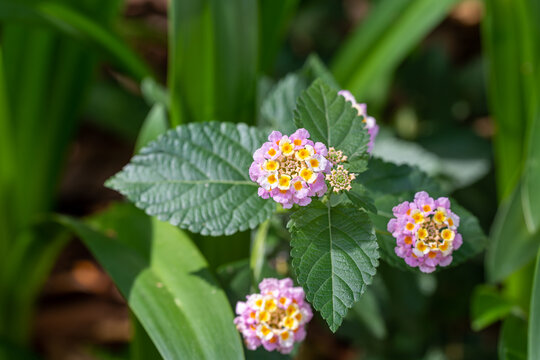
x,y
371,124
425,231
275,318
290,169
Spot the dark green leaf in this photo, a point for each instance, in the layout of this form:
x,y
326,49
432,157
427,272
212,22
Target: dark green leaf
x,y
384,178
333,121
196,177
166,282
335,257
369,313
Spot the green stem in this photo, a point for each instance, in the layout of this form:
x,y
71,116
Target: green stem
x,y
257,252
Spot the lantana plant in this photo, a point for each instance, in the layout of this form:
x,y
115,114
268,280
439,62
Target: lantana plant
x,y
346,209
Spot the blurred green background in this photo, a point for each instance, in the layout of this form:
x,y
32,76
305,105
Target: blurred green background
x,y
454,85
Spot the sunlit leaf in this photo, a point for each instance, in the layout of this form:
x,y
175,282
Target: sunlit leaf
x,y
165,281
196,177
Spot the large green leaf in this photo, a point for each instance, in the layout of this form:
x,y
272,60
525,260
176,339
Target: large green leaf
x,y
333,121
534,317
196,177
380,43
512,245
166,282
335,257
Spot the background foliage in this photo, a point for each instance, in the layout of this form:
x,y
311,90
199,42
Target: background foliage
x,y
68,69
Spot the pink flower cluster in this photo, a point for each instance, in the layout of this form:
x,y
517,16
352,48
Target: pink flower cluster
x,y
425,231
371,124
275,318
290,169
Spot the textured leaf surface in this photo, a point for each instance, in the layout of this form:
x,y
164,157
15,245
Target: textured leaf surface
x,y
196,177
166,282
333,121
334,251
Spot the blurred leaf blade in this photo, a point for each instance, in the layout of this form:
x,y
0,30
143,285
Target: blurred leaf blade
x,y
488,306
513,339
71,22
512,53
166,282
511,244
382,42
155,124
534,317
274,16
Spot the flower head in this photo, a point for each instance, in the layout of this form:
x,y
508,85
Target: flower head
x,y
275,318
340,179
290,168
371,124
425,231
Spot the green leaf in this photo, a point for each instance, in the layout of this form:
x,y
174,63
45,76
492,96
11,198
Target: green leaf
x,y
212,60
369,313
488,306
196,177
277,108
335,257
534,317
380,43
510,38
457,171
333,121
166,282
511,246
530,194
385,178
154,125
513,339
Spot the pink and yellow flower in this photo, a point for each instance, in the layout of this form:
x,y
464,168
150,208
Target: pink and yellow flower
x,y
425,231
290,170
275,318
